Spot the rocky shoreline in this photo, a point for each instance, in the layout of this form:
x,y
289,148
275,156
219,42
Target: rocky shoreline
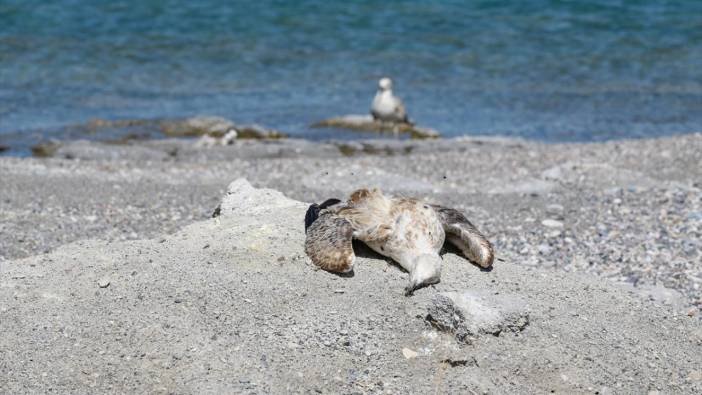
x,y
624,214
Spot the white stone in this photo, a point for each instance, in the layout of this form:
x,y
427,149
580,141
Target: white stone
x,y
409,353
552,223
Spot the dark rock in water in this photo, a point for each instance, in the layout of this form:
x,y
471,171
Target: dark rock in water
x,y
215,127
45,150
258,132
368,124
94,125
128,139
197,126
4,148
136,132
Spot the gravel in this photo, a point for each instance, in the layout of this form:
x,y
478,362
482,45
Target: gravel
x,y
594,208
233,318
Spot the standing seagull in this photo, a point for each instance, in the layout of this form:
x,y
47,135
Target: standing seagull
x,y
407,230
386,106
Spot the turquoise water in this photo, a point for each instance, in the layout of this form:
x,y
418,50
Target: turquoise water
x,y
544,69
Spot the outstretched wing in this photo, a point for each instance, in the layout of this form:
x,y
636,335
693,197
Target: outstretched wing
x,y
329,243
465,236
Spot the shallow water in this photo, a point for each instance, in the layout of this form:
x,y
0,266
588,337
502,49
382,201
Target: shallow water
x,y
544,69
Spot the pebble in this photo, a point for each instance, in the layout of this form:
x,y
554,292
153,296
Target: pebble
x,y
409,353
553,173
695,375
555,210
545,249
554,234
103,283
552,223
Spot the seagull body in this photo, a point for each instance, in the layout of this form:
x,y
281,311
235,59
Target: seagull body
x,y
409,231
386,106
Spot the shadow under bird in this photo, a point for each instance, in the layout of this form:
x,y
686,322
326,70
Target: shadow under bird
x,y
408,230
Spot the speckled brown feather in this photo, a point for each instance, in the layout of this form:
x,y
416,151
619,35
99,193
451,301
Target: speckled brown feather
x,y
329,243
394,227
365,210
464,235
358,196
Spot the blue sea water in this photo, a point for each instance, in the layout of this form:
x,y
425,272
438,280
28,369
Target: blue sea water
x,y
551,70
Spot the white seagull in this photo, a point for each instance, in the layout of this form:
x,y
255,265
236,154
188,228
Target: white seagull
x,y
386,106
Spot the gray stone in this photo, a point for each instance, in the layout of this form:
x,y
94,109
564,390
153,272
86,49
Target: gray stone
x,y
552,223
545,249
468,314
197,126
367,123
409,353
555,210
554,173
215,127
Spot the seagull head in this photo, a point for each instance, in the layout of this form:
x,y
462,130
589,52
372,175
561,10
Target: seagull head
x,y
385,84
426,271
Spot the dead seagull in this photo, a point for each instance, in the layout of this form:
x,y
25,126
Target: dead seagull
x,y
408,230
386,106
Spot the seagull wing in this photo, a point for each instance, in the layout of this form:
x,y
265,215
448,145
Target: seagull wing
x,y
329,243
465,236
401,112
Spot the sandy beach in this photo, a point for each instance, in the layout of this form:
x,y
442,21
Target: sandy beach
x,y
627,210
600,240
159,160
